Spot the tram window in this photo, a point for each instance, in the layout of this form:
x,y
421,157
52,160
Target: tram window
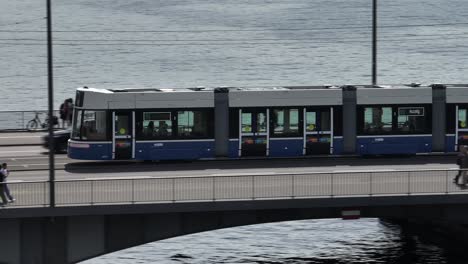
x,y
411,119
378,119
192,124
94,125
77,124
157,125
246,122
285,122
311,121
233,123
462,119
325,121
261,122
121,125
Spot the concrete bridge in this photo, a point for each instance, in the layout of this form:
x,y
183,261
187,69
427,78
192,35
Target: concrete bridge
x,y
99,216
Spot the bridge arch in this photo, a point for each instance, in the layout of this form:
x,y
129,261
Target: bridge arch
x,y
73,234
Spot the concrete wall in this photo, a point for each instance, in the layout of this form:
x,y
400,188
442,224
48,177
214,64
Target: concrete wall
x,y
72,237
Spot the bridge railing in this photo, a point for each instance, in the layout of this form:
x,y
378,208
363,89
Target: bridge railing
x,y
242,187
18,120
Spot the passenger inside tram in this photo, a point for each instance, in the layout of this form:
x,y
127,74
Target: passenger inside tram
x,y
162,129
149,131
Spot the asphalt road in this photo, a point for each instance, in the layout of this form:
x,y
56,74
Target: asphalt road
x,y
28,160
32,163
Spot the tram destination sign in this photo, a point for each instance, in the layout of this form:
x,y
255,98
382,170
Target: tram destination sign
x,y
411,111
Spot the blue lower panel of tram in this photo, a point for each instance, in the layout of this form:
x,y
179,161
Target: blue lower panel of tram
x,y
337,145
90,151
394,145
450,143
174,150
233,148
286,147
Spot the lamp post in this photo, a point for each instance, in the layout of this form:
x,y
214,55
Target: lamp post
x,y
374,42
51,107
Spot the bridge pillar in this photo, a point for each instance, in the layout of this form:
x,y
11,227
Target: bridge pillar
x,y
349,119
438,117
10,242
221,115
33,240
86,237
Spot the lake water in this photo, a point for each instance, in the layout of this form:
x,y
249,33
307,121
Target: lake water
x,y
300,242
187,43
182,43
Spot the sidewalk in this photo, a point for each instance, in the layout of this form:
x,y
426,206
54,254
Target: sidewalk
x,y
21,138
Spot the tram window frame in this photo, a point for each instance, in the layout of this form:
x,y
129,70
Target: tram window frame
x,y
141,127
286,132
457,122
426,128
234,123
409,119
76,128
451,123
337,121
208,115
78,125
174,135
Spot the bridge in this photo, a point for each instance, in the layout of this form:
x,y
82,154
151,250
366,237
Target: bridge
x,y
98,216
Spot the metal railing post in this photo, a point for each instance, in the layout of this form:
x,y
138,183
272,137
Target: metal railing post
x,y
92,192
331,194
213,186
173,190
292,186
45,194
446,182
409,183
370,183
133,191
253,187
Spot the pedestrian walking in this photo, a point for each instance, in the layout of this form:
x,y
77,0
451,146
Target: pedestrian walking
x,y
4,171
69,111
461,155
63,112
464,167
2,189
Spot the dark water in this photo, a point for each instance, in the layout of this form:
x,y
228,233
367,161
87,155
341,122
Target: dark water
x,y
299,242
180,43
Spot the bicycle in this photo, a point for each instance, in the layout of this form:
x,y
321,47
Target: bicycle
x,y
36,122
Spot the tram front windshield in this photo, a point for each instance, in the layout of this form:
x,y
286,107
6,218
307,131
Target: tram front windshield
x,y
89,125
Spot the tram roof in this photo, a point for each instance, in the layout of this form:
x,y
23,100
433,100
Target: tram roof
x,y
203,89
106,98
265,88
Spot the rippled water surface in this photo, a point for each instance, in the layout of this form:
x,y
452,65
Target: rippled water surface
x,y
180,43
299,242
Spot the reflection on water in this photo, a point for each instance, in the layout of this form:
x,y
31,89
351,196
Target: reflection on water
x,y
298,242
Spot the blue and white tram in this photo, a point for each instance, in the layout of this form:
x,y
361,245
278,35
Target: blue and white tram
x,y
142,124
285,121
195,123
394,120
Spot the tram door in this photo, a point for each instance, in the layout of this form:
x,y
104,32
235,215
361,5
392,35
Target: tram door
x,y
253,132
318,131
462,126
123,135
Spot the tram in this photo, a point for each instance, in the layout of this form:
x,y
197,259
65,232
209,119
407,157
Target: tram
x,y
236,122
